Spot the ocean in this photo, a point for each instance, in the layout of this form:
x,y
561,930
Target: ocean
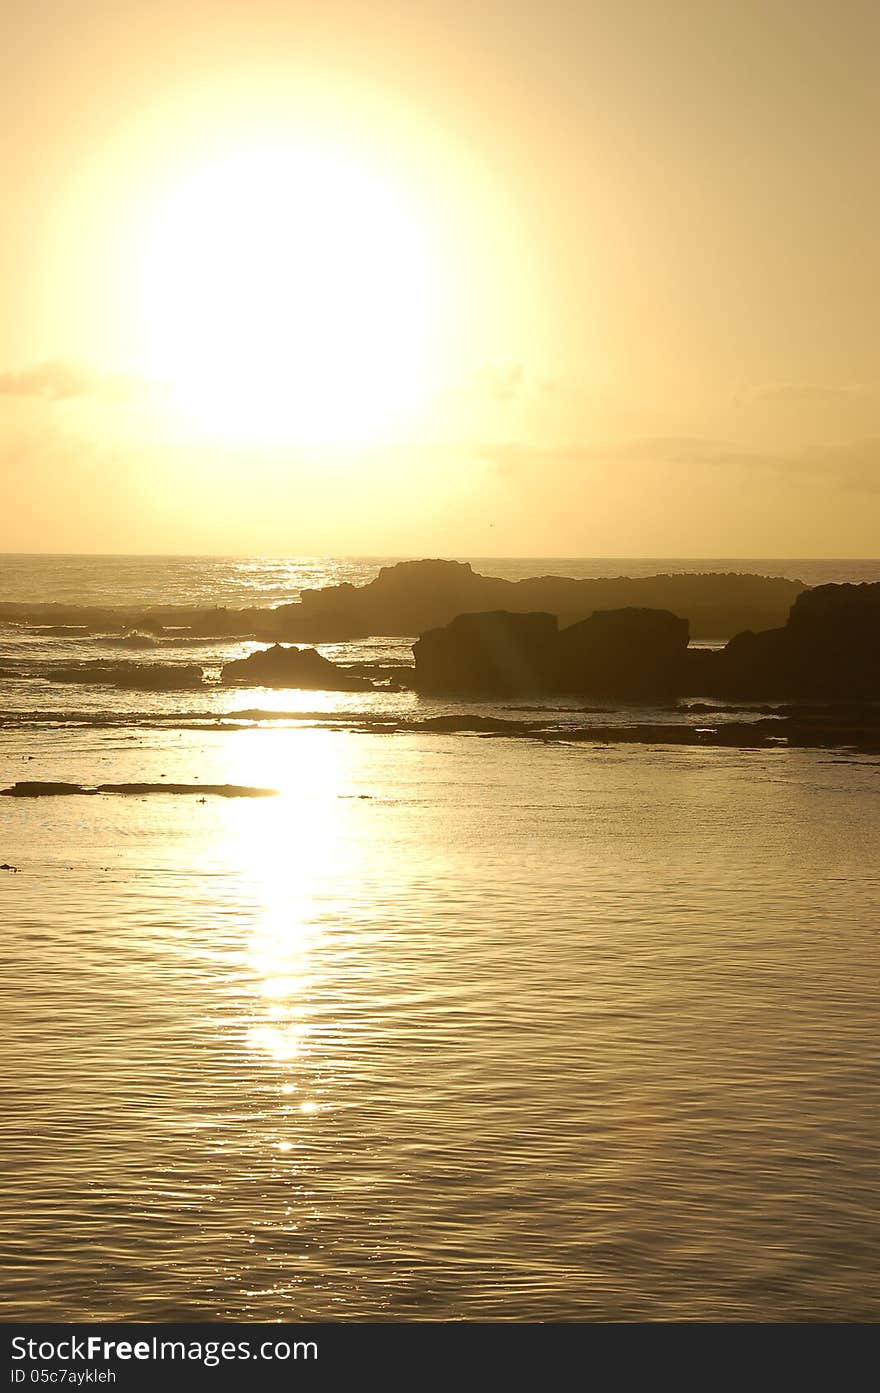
x,y
446,1027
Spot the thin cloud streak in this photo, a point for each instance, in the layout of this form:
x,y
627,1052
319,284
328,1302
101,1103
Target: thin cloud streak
x,y
60,380
855,466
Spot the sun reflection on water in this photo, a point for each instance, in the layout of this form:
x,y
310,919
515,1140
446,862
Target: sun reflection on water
x,y
290,853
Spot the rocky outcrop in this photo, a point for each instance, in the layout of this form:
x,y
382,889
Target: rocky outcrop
x,y
633,653
70,620
636,654
829,648
493,654
413,596
128,675
42,789
408,598
302,668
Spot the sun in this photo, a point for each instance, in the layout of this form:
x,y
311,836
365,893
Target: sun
x,y
288,293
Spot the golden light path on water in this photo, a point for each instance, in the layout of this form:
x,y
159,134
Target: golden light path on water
x,y
288,859
446,1028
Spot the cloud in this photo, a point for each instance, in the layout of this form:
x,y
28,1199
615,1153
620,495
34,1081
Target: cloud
x,y
51,381
808,393
854,466
692,450
503,385
61,380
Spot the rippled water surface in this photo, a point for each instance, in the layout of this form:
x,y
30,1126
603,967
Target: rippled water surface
x,y
449,1028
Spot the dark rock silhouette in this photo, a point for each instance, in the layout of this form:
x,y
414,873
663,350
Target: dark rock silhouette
x,y
631,653
332,622
634,653
132,676
829,648
408,598
62,790
279,666
488,654
414,596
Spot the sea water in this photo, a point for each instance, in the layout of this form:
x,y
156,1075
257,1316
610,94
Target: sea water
x,y
446,1027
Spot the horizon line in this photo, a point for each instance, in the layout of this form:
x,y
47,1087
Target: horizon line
x,y
403,556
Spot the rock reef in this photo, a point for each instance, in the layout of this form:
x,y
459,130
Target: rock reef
x,y
632,654
54,789
492,654
828,648
412,596
302,668
128,675
626,653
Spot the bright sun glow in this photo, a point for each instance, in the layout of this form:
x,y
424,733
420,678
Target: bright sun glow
x,y
289,294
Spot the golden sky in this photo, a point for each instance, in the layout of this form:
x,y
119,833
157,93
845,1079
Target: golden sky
x,y
449,277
